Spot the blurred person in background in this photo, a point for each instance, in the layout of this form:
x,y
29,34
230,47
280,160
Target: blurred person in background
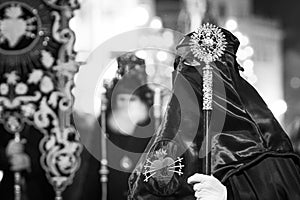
x,y
129,127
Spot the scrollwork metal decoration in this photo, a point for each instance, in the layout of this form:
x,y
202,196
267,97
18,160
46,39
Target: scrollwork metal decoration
x,y
38,65
208,43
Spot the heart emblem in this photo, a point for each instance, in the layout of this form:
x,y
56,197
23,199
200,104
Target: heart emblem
x,y
13,30
163,174
162,167
13,27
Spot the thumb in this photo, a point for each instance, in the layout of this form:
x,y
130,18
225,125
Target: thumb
x,y
197,178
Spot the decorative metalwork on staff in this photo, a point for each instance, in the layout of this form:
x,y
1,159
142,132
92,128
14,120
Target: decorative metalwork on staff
x,y
207,45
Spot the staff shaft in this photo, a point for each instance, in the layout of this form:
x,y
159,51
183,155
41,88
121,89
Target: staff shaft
x,y
207,109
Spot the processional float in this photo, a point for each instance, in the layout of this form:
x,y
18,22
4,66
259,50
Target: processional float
x,y
37,67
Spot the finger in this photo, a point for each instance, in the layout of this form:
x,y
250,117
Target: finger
x,y
196,178
198,186
198,195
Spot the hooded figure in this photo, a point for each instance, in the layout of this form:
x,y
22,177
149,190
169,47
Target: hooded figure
x,y
128,127
251,155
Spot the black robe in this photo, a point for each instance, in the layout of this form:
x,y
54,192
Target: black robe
x,y
251,154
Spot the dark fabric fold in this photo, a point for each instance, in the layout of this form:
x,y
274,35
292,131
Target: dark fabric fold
x,y
274,177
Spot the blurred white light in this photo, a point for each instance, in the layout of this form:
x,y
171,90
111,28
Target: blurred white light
x,y
143,41
141,54
231,25
244,40
241,54
97,105
168,35
75,77
73,24
110,72
168,38
155,40
278,107
162,56
249,51
141,15
150,70
73,91
168,71
252,79
295,82
156,23
238,34
1,175
248,65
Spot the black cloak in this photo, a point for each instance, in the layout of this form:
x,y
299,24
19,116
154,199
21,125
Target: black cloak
x,y
251,154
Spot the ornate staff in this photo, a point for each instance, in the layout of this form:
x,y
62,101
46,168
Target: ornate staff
x,y
103,170
207,45
17,175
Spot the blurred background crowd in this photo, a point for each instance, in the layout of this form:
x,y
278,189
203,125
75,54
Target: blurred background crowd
x,y
268,32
